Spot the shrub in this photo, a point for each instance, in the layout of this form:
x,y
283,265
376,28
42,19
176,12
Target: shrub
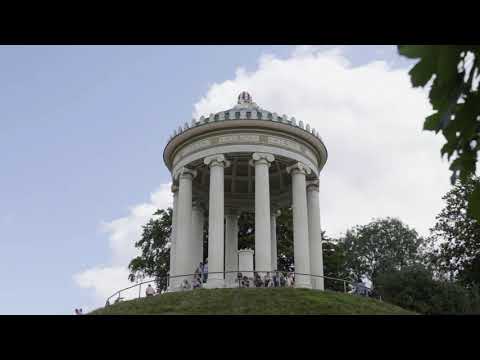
x,y
414,288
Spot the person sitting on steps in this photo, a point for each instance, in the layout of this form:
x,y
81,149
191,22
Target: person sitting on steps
x,y
197,282
150,291
185,285
257,280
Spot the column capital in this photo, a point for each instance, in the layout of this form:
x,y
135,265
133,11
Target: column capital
x,y
216,160
313,185
261,158
185,172
299,168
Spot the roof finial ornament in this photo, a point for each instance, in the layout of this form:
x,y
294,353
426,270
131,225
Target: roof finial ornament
x,y
244,98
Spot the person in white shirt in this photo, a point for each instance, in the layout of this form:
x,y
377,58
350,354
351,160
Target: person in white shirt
x,y
290,280
150,291
186,285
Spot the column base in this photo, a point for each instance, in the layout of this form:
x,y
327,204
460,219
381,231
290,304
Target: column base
x,y
318,284
174,286
214,283
231,280
303,284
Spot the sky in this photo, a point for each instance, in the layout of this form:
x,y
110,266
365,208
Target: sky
x,y
82,132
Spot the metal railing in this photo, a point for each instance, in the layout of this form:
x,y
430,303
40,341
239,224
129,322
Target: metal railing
x,y
243,282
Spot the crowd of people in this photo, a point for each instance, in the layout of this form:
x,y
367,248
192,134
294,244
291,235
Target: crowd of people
x,y
268,279
259,280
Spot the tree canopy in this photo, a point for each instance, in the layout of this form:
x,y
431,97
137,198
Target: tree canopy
x,y
154,260
457,236
455,100
380,246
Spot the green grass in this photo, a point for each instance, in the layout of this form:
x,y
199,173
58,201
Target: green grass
x,y
269,301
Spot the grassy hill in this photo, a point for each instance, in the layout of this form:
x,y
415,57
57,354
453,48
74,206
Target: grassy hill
x,y
269,301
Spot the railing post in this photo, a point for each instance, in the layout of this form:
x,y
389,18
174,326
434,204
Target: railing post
x,y
139,290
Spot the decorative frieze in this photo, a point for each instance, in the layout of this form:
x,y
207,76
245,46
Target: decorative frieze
x,y
245,138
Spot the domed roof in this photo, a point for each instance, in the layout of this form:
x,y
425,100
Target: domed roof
x,y
246,114
245,109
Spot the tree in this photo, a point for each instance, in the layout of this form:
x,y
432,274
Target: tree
x,y
455,100
414,288
382,245
154,244
246,236
285,256
457,234
334,263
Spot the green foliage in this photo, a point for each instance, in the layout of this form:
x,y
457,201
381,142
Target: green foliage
x,y
414,288
155,247
246,236
154,260
334,263
458,234
285,240
455,100
382,245
246,231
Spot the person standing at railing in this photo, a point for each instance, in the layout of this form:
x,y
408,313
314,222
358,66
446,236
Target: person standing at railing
x,y
150,291
199,270
275,279
205,271
267,280
290,280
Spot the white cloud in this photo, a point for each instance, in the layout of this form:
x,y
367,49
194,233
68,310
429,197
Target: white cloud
x,y
122,234
380,162
125,231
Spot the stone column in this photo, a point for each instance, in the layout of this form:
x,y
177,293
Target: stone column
x,y
173,234
231,247
217,163
198,220
301,246
273,234
315,234
184,233
263,241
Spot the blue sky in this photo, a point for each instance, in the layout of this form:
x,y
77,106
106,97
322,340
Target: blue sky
x,y
82,131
